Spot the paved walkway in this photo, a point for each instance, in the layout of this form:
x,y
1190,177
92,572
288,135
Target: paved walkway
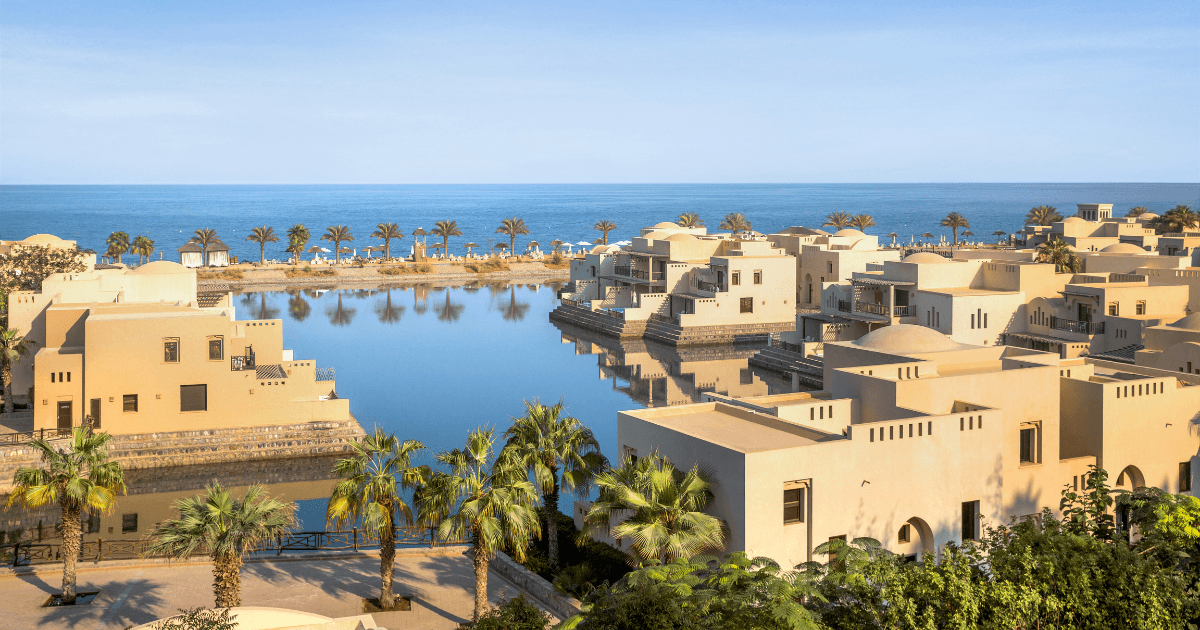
x,y
441,587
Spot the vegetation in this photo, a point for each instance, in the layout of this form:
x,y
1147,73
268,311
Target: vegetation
x,y
487,500
77,479
1059,254
862,222
118,245
387,232
1136,211
205,237
557,261
604,227
690,220
838,219
297,238
1177,219
735,222
553,446
227,529
374,477
13,346
663,509
512,228
446,229
954,221
1042,215
586,563
511,614
144,248
25,268
307,272
226,274
262,236
200,619
487,266
338,234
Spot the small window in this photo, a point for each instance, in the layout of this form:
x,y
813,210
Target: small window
x,y
905,533
1140,308
758,276
735,278
216,348
970,520
830,263
1185,476
129,523
193,397
1113,309
747,377
793,505
91,524
1029,445
171,350
129,402
52,377
747,304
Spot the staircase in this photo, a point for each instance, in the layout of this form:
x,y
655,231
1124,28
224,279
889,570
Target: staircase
x,y
809,369
674,334
598,322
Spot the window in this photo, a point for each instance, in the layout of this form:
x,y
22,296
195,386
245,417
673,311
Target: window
x,y
970,520
216,348
91,524
129,402
1029,445
905,533
171,350
128,523
746,377
793,505
757,276
193,397
1113,309
735,278
1140,308
747,305
830,263
1185,476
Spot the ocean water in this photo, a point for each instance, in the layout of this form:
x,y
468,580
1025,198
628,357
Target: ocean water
x,y
169,214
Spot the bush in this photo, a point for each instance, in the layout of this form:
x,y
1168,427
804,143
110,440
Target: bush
x,y
511,614
586,563
557,261
308,272
424,268
199,619
487,266
229,274
397,270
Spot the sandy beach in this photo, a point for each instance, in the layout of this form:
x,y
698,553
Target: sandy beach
x,y
245,276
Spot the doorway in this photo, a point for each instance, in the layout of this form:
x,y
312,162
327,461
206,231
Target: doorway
x,y
64,414
95,403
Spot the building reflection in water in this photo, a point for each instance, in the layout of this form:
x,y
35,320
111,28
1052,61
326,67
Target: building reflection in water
x,y
655,374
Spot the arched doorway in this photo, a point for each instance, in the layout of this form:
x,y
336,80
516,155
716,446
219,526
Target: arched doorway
x,y
1130,478
914,540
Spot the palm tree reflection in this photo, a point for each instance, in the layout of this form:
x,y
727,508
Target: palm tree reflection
x,y
514,311
257,307
387,312
449,312
298,307
340,315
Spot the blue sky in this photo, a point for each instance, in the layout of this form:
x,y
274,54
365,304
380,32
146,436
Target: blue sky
x,y
520,92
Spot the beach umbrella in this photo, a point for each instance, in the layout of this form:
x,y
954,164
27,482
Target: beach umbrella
x,y
345,250
314,250
534,244
893,236
469,246
557,243
927,235
583,243
999,233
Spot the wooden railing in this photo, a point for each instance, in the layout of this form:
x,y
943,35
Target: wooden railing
x,y
872,308
903,311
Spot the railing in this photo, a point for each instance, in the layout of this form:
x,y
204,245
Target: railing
x,y
946,253
630,272
708,286
872,308
27,553
570,302
325,373
242,363
844,306
903,311
13,439
1071,325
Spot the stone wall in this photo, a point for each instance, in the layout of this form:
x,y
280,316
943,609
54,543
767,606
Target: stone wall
x,y
536,586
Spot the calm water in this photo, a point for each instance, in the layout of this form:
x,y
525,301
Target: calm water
x,y
169,214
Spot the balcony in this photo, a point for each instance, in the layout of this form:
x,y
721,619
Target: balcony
x,y
1075,326
640,274
903,311
242,363
844,306
711,287
872,308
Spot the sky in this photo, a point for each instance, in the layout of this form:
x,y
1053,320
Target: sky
x,y
570,92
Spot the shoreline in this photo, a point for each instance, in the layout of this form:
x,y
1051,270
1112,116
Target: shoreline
x,y
370,276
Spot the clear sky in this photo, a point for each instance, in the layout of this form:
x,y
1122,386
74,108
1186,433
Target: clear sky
x,y
495,92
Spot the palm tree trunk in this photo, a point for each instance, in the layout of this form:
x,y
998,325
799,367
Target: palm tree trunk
x,y
480,560
6,372
71,535
387,565
262,253
551,508
387,248
227,580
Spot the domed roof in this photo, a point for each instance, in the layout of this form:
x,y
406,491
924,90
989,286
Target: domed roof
x,y
849,232
906,339
1073,220
925,258
656,235
1146,215
43,238
1191,322
162,267
665,224
1123,248
682,236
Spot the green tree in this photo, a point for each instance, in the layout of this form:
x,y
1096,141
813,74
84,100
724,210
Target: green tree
x,y
862,222
446,229
76,479
375,475
552,445
1042,215
838,219
690,220
954,221
118,245
199,619
1136,211
604,227
25,268
13,346
512,228
387,232
204,238
338,234
1178,219
1059,254
227,529
511,614
297,238
663,509
487,501
735,222
143,247
262,236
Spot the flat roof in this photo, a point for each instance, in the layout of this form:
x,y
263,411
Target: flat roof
x,y
969,291
732,427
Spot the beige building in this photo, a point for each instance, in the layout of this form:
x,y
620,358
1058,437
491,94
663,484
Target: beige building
x,y
823,258
1174,346
918,440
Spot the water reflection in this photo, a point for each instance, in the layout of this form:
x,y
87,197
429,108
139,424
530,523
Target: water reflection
x,y
387,312
514,311
257,306
340,315
449,312
298,307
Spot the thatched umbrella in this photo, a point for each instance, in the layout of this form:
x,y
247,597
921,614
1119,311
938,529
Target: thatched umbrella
x,y
436,246
556,244
893,236
316,249
968,233
534,244
470,245
999,233
927,235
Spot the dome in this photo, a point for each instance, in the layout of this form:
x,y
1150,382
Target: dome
x,y
162,266
681,237
43,238
849,232
656,235
600,249
1123,248
906,339
1146,215
925,258
666,225
1191,322
1073,220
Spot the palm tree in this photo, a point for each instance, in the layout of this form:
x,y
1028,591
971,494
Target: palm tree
x,y
604,227
954,221
78,478
1177,219
340,315
513,228
297,238
262,236
1057,253
228,529
375,474
1042,215
386,312
205,237
690,220
490,502
1136,211
663,509
549,443
143,247
862,222
838,219
446,229
118,244
337,234
13,346
387,232
735,222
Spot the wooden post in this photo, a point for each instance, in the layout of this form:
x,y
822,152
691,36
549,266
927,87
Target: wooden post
x,y
99,549
356,538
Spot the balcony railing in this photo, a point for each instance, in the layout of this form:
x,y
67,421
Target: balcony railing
x,y
707,286
242,363
640,274
325,374
844,306
1075,326
872,308
903,311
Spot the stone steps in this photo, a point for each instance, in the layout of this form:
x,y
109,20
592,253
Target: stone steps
x,y
604,324
810,371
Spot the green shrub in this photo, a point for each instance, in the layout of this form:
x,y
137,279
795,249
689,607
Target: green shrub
x,y
511,614
199,619
586,563
396,270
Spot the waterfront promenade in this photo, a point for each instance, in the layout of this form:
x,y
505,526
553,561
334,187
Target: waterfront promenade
x,y
439,581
